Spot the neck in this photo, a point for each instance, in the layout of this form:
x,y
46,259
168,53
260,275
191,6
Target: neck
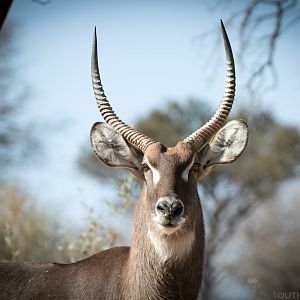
x,y
161,266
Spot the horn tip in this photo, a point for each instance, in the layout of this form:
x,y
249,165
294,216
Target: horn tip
x,y
95,33
94,59
228,49
223,28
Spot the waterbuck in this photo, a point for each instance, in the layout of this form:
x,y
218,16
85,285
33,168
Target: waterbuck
x,y
165,259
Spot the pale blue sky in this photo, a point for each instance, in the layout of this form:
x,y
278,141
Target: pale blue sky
x,y
147,56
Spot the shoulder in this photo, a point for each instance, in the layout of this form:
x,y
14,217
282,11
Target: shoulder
x,y
110,256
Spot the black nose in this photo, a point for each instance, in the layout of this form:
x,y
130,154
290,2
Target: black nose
x,y
170,209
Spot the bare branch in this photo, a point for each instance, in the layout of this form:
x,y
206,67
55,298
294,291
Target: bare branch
x,y
260,24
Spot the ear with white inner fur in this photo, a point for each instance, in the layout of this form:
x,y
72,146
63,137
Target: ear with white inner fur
x,y
225,147
112,149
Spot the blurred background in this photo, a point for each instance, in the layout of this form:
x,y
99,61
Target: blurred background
x,y
162,66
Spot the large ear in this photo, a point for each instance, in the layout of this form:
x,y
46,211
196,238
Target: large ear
x,y
225,147
112,149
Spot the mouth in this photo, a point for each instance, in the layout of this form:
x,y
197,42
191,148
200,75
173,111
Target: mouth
x,y
169,226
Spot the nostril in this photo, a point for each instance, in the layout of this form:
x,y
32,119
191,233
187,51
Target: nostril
x,y
178,211
162,207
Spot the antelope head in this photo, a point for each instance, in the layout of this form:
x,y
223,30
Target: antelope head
x,y
169,206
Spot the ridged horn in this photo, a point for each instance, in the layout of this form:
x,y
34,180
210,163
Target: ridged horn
x,y
203,134
137,139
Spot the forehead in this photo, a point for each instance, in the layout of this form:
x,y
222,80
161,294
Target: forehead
x,y
179,156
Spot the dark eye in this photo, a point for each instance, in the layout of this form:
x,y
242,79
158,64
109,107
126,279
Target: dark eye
x,y
145,167
196,167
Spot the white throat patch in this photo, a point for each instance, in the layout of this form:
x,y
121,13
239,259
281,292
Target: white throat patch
x,y
173,247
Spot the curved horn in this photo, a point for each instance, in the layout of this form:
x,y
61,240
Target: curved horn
x,y
137,139
203,134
